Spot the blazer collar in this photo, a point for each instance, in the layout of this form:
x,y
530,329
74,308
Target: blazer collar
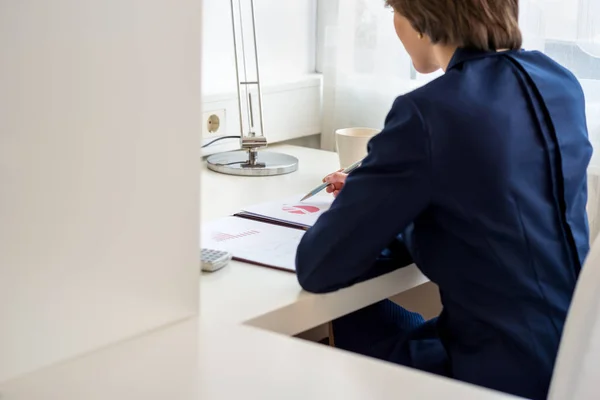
x,y
463,54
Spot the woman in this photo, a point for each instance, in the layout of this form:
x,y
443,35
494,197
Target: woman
x,y
479,178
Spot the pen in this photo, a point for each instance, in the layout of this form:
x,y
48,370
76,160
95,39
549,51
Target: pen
x,y
324,185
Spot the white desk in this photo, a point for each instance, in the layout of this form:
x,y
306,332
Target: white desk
x,y
187,362
270,299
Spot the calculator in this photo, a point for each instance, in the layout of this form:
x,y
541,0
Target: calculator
x,y
214,260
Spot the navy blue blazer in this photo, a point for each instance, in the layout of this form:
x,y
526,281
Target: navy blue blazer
x,y
487,167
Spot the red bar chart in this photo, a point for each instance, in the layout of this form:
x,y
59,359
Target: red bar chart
x,y
223,237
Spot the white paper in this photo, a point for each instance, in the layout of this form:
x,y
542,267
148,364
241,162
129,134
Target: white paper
x,y
253,241
292,210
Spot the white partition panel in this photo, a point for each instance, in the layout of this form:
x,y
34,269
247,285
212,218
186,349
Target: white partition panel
x,y
99,173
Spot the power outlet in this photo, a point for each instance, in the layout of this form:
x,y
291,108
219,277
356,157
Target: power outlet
x,y
214,123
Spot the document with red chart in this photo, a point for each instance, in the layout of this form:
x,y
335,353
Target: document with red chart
x,y
289,212
253,241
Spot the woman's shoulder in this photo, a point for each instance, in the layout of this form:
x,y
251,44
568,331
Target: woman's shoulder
x,y
482,79
539,60
432,95
439,90
544,70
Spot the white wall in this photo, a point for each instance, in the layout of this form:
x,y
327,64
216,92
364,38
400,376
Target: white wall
x,y
99,177
286,37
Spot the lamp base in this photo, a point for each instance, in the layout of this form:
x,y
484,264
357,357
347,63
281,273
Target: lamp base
x,y
267,163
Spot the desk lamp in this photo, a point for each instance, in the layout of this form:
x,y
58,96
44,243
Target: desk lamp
x,y
249,161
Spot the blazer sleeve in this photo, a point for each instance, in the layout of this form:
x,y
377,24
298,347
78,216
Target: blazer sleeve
x,y
378,201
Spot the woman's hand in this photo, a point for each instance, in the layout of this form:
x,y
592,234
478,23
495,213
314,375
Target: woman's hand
x,y
336,182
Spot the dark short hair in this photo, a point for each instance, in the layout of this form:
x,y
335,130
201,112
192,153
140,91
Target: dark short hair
x,y
479,24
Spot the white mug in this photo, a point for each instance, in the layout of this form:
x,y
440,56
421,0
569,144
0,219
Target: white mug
x,y
352,144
